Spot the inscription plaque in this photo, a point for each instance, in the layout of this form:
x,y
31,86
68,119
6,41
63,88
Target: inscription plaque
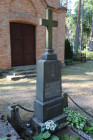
x,y
54,107
52,89
53,71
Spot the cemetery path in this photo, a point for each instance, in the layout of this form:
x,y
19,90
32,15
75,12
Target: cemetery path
x,y
77,80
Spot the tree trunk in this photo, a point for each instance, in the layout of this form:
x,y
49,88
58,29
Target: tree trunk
x,y
81,37
67,31
91,37
76,41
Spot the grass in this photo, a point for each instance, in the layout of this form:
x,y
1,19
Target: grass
x,y
78,69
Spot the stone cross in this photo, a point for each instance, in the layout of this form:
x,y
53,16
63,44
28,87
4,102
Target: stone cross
x,y
49,23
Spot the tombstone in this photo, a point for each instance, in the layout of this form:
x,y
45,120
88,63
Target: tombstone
x,y
48,104
6,130
91,45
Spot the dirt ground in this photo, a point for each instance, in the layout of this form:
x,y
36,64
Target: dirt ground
x,y
77,80
78,83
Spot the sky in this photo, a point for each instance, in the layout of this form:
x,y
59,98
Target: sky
x,y
72,4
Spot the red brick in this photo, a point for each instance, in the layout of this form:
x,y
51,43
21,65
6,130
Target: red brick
x,y
30,11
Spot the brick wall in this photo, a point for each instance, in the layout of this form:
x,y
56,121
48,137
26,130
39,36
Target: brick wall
x,y
30,11
53,3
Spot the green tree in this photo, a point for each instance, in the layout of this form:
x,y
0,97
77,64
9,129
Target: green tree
x,y
81,37
68,50
76,42
71,22
91,37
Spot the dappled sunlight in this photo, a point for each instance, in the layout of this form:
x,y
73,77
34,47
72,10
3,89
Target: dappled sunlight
x,y
81,100
89,73
78,88
78,81
21,92
23,84
16,88
74,77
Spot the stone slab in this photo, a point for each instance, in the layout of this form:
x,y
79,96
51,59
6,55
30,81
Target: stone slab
x,y
68,131
37,124
49,56
48,110
6,130
63,65
18,77
65,100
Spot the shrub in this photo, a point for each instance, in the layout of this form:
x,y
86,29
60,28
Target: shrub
x,y
68,50
68,61
89,55
77,57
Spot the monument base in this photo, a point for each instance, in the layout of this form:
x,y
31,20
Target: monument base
x,y
37,124
49,109
49,56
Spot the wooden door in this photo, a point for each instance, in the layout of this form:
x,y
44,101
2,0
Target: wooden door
x,y
22,44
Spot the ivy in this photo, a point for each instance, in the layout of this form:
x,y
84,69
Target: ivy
x,y
48,136
48,130
89,129
45,136
4,139
78,121
67,137
54,138
76,138
39,137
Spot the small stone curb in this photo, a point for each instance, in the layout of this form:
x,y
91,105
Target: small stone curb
x,y
81,133
14,78
6,130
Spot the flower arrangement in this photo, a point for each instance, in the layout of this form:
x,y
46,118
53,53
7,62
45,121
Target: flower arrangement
x,y
49,125
46,131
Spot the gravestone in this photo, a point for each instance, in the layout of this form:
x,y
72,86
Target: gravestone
x,y
6,130
49,101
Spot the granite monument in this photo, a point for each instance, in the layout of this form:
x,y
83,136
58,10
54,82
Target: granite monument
x,y
49,101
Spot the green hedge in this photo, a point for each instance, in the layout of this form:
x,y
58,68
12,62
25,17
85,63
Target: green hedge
x,y
89,55
68,61
68,50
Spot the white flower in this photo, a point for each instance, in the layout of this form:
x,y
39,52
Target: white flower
x,y
55,125
47,127
52,128
46,123
50,124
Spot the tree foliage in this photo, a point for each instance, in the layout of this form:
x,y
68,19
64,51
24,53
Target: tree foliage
x,y
71,20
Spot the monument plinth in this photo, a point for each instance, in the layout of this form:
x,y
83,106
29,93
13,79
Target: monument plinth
x,y
49,101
